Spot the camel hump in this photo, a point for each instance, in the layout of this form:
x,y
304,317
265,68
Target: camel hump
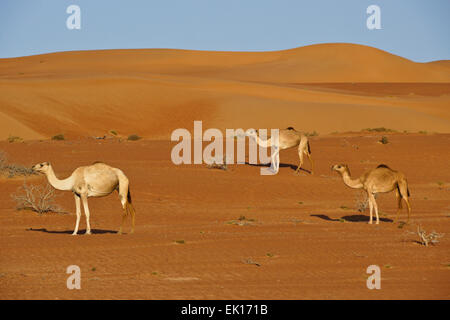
x,y
290,128
383,166
95,162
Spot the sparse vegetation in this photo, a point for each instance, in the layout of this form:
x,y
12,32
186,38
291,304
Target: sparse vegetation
x,y
58,137
37,198
12,139
311,134
426,239
423,132
250,261
133,137
12,170
180,241
361,202
241,221
384,140
215,165
380,129
113,132
401,224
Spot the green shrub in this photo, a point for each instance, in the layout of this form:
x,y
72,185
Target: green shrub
x,y
384,140
133,137
58,137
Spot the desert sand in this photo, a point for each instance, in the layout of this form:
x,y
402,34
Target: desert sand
x,y
304,231
153,92
206,233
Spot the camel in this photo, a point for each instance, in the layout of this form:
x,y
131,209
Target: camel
x,y
96,180
382,179
288,138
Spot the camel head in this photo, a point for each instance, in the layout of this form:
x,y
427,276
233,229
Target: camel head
x,y
41,167
251,133
341,168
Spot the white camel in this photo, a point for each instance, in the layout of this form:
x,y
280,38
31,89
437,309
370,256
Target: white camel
x,y
96,180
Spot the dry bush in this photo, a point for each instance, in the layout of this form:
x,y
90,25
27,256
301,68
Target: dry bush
x,y
38,198
133,137
361,201
3,161
12,170
384,140
216,165
426,239
58,137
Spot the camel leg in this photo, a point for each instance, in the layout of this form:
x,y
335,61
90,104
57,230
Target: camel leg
x,y
276,161
375,205
409,207
86,213
399,204
78,211
311,161
370,207
403,188
300,155
132,212
124,216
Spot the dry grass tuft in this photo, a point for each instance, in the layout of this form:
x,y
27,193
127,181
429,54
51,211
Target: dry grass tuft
x,y
216,165
13,170
37,198
426,239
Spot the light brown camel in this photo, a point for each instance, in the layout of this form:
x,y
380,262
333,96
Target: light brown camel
x,y
381,179
96,180
288,138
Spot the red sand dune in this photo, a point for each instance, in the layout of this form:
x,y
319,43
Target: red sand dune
x,y
152,92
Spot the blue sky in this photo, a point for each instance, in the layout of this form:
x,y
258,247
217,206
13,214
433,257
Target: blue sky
x,y
414,29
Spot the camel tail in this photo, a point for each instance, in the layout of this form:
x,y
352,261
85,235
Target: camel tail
x,y
129,196
402,187
130,210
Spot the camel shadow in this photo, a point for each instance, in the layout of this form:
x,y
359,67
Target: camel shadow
x,y
282,165
350,218
80,231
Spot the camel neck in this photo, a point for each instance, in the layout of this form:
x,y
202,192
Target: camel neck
x,y
263,143
352,183
65,184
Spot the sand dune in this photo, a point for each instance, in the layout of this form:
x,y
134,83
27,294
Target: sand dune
x,y
152,92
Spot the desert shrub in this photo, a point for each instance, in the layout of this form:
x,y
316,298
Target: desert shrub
x,y
12,170
37,198
431,238
384,140
133,137
12,139
3,160
58,137
113,132
311,134
216,165
380,129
